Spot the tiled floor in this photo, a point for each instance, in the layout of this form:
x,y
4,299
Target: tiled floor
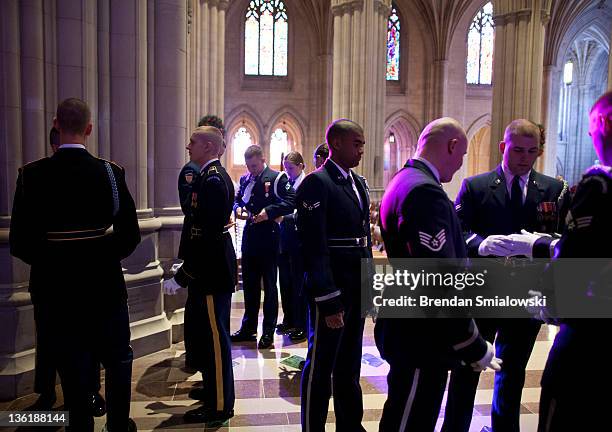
x,y
267,390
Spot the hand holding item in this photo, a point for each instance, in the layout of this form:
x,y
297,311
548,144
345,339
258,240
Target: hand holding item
x,y
522,244
242,213
488,360
335,321
262,216
171,287
497,245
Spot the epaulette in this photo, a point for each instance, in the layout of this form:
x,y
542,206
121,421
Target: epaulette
x,y
599,170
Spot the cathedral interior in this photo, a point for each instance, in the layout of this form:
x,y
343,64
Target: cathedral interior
x,y
277,72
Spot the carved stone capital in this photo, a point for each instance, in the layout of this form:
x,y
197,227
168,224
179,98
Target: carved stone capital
x,y
342,7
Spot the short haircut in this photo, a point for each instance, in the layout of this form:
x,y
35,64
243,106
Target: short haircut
x,y
605,98
54,137
322,150
213,120
340,128
522,127
253,150
295,158
211,133
73,116
542,130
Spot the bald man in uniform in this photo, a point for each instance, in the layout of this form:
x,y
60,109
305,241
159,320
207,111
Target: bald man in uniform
x,y
209,270
419,221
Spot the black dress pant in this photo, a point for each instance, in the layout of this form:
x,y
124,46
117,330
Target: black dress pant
x,y
46,363
80,338
513,344
255,270
333,360
291,280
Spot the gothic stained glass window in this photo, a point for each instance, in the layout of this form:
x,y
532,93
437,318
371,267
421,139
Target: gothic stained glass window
x,y
240,142
266,32
279,144
393,45
480,47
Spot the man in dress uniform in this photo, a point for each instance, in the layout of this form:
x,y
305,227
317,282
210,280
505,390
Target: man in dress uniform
x,y
209,270
491,206
264,195
76,273
571,375
321,154
414,210
187,178
334,224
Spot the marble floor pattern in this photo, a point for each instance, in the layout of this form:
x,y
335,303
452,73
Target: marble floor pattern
x,y
267,387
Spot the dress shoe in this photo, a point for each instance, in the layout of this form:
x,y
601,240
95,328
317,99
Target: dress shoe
x,y
131,426
44,402
98,405
265,341
206,415
243,336
297,335
282,328
197,394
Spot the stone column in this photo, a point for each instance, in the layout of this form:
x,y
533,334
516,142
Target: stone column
x,y
518,65
550,117
34,135
359,75
77,55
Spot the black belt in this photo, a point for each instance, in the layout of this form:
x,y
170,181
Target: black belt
x,y
76,235
197,232
359,242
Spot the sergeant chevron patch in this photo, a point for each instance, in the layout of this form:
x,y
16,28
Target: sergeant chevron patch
x,y
433,243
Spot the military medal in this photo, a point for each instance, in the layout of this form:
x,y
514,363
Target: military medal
x,y
547,216
267,189
194,199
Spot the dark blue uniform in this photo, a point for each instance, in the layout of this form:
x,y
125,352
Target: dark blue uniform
x,y
484,208
335,234
271,191
571,375
290,272
76,275
209,270
418,220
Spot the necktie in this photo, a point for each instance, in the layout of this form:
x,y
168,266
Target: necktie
x,y
248,190
352,181
516,202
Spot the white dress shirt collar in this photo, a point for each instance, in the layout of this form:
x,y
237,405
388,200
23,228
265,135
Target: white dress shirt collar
x,y
79,146
206,164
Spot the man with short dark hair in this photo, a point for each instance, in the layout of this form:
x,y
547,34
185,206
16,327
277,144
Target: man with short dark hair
x,y
320,155
333,223
75,259
264,196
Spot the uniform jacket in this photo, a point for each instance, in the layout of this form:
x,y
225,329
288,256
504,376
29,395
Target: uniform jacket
x,y
188,177
289,238
62,208
272,192
329,209
209,256
483,206
419,221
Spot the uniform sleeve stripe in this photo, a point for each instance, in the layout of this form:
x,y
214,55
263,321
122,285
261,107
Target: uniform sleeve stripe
x,y
278,177
469,341
328,296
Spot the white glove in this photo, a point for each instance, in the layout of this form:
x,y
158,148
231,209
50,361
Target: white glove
x,y
498,245
538,312
522,244
488,360
171,287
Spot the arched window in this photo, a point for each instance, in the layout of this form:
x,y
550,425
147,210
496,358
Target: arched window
x,y
279,145
240,142
393,45
480,47
265,38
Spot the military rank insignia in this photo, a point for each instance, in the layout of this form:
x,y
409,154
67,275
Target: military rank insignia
x,y
288,186
189,177
194,199
267,188
311,207
431,242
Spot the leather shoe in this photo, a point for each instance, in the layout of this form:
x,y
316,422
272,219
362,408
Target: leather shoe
x,y
265,341
197,394
98,405
131,426
297,335
44,402
282,328
243,336
206,415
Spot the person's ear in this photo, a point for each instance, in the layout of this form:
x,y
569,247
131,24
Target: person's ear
x,y
452,144
502,147
88,129
55,123
540,151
